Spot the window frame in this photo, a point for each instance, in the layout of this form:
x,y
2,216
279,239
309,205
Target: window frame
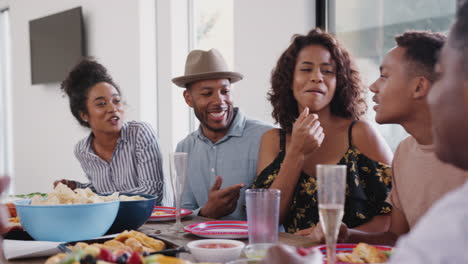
x,y
326,20
6,155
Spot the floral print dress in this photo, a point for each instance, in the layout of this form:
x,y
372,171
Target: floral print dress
x,y
368,184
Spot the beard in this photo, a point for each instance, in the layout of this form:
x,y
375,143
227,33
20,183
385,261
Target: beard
x,y
202,118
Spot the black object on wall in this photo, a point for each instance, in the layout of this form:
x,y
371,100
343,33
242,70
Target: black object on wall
x,y
57,44
321,14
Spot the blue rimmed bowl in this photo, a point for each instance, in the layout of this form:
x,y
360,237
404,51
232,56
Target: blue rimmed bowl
x,y
133,214
66,222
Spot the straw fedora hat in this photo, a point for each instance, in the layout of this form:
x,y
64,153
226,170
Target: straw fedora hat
x,y
205,65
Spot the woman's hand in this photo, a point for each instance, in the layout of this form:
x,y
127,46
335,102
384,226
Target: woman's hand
x,y
317,234
307,134
69,183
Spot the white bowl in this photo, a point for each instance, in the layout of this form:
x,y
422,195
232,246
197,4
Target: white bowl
x,y
217,254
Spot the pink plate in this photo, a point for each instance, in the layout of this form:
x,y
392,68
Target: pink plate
x,y
348,248
163,213
219,229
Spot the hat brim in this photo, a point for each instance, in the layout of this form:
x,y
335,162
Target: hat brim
x,y
182,81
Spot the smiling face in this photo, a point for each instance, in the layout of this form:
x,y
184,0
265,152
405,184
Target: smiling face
x,y
314,81
212,103
105,109
448,101
393,89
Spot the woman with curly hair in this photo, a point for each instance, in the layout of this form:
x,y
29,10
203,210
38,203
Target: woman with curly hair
x,y
117,156
317,99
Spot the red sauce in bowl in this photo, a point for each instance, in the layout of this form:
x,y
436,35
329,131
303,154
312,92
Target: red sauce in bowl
x,y
216,245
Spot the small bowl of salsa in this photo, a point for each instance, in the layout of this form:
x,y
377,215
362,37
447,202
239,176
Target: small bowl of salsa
x,y
215,250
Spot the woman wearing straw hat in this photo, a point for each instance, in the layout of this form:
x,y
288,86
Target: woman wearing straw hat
x,y
223,151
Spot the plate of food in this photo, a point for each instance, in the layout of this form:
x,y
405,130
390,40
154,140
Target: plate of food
x,y
164,213
359,253
126,247
219,229
15,231
12,198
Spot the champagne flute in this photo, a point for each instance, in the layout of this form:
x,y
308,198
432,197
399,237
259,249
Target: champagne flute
x,y
178,169
331,182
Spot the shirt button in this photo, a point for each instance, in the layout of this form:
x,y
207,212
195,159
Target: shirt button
x,y
214,147
212,169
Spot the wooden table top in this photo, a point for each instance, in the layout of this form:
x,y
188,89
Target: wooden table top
x,y
161,229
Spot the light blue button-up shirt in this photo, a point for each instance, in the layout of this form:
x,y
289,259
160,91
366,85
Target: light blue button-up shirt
x,y
233,157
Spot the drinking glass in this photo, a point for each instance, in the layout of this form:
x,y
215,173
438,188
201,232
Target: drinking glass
x,y
263,215
178,170
331,185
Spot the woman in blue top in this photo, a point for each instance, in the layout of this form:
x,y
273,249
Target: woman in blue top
x,y
316,98
117,156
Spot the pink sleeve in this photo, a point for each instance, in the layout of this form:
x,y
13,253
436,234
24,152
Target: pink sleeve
x,y
393,197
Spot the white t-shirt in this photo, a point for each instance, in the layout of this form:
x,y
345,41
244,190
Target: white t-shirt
x,y
441,236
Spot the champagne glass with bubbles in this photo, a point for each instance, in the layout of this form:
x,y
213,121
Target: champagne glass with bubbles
x,y
178,170
331,182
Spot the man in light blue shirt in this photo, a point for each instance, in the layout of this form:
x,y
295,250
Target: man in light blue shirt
x,y
223,152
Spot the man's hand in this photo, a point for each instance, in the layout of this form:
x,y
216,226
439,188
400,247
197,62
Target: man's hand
x,y
317,234
221,202
70,184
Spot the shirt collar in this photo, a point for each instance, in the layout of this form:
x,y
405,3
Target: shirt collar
x,y
235,130
124,133
124,136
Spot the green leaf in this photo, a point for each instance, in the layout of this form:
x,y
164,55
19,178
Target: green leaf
x,y
30,195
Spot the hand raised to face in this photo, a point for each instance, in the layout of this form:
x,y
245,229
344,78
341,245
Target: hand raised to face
x,y
307,134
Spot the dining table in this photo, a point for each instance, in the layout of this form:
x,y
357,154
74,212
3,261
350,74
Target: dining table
x,y
161,230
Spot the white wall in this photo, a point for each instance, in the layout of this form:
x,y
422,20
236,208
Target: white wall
x,y
44,130
262,31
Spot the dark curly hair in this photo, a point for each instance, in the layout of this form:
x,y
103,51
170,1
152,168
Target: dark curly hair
x,y
81,78
348,100
421,51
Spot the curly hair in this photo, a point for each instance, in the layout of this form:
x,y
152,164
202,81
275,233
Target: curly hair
x,y
348,100
81,78
421,51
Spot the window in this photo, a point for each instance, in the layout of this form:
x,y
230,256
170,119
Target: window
x,y
212,26
367,28
5,160
180,27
